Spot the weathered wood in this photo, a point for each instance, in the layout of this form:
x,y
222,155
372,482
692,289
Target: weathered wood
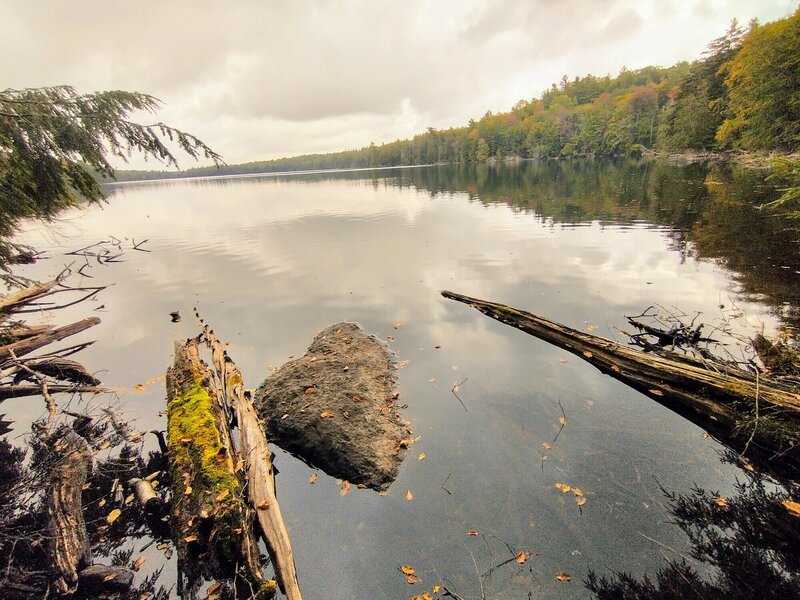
x,y
68,543
211,522
258,468
20,391
12,302
718,397
28,345
63,369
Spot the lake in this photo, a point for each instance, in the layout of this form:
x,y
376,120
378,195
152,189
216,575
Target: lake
x,y
270,260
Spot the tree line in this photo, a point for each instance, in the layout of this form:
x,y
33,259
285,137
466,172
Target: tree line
x,y
742,94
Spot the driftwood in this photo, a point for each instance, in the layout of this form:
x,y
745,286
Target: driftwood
x,y
211,521
258,467
744,410
68,541
20,391
12,302
28,345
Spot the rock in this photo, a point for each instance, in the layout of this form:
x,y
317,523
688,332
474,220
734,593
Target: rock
x,y
97,579
335,407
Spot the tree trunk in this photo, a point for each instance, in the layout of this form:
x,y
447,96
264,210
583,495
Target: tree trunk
x,y
211,521
744,410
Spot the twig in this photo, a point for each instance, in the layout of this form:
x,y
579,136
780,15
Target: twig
x,y
453,389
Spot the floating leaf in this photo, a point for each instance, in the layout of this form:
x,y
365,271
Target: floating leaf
x,y
396,325
421,456
546,445
580,500
86,486
312,478
190,538
102,502
559,486
472,533
591,328
562,420
792,506
565,488
562,360
213,589
223,494
436,589
563,576
408,570
139,562
577,491
345,488
412,579
113,515
409,496
521,557
454,367
138,387
327,415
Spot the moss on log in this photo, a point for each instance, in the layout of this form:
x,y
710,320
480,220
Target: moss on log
x,y
211,521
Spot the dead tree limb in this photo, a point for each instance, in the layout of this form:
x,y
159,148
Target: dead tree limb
x,y
258,467
12,302
721,400
28,345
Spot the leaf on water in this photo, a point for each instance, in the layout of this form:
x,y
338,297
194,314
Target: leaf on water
x,y
311,390
421,456
327,415
705,435
412,579
580,500
472,533
591,328
345,488
312,478
437,346
263,505
454,367
563,361
577,491
190,538
139,562
105,444
102,502
563,576
792,506
656,392
408,570
213,589
546,445
565,488
396,325
432,380
113,515
559,486
521,557
409,496
562,420
138,387
587,354
720,501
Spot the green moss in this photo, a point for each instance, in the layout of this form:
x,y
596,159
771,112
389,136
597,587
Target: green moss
x,y
194,442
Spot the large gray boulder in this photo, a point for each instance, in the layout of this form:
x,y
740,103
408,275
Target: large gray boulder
x,y
335,407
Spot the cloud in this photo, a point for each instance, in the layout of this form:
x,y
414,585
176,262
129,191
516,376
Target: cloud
x,y
265,79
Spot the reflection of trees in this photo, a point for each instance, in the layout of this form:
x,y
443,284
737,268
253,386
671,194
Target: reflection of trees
x,y
749,540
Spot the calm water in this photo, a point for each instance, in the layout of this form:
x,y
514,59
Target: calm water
x,y
271,260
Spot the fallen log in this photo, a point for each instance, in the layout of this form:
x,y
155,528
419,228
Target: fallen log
x,y
746,411
20,391
258,467
26,346
211,521
68,542
12,302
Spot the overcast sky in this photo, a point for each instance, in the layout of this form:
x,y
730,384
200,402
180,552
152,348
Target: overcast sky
x,y
264,79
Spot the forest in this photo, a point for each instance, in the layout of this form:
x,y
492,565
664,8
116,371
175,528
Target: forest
x,y
741,95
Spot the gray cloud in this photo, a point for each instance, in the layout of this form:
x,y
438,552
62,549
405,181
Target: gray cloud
x,y
265,79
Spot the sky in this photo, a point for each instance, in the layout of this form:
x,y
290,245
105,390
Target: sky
x,y
264,79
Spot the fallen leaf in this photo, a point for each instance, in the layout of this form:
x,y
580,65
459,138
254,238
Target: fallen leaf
x,y
396,325
546,445
138,387
565,488
562,360
327,415
113,515
312,478
563,576
109,577
190,538
580,500
472,533
521,557
577,491
213,589
105,444
139,562
587,354
223,494
705,435
86,486
559,486
102,502
239,465
186,439
263,506
361,486
656,392
436,589
615,368
562,420
311,390
345,414
129,499
187,491
345,488
421,456
356,398
408,570
412,579
433,380
409,496
591,328
792,506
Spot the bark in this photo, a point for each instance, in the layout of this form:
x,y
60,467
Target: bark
x,y
722,399
68,541
28,345
211,521
258,468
